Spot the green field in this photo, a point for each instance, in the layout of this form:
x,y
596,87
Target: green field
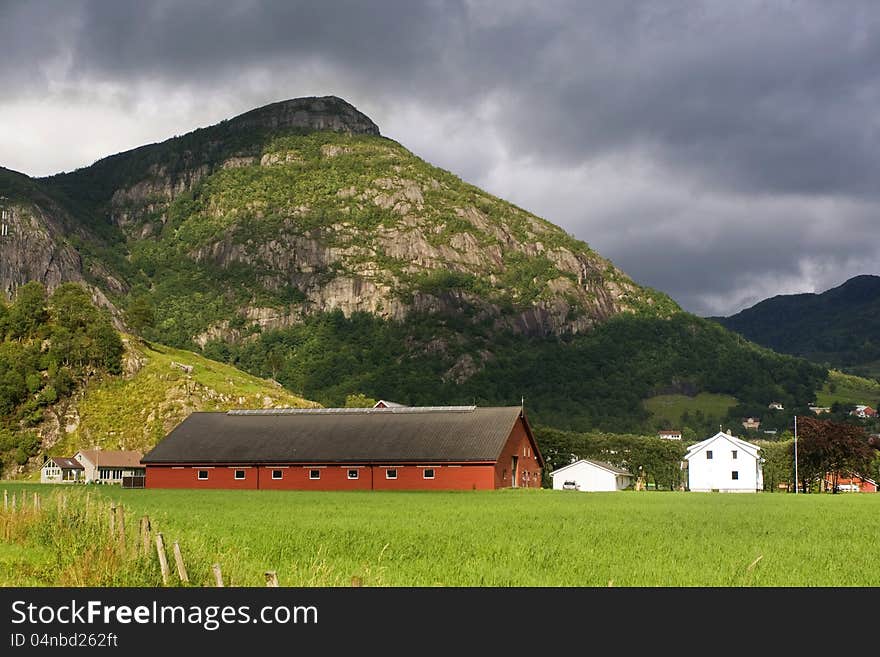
x,y
848,389
491,538
670,408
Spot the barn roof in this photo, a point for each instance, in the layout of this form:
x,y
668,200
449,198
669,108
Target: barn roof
x,y
340,435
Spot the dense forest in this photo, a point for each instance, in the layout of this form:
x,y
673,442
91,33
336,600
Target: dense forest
x,y
838,328
595,381
48,346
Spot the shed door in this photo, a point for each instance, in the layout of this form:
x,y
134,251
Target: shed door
x,y
513,471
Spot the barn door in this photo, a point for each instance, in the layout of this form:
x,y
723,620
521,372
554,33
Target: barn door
x,y
513,471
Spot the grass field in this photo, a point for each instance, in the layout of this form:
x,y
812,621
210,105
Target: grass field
x,y
670,408
848,389
491,538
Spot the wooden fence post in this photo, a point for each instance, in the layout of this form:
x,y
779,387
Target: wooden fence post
x,y
163,560
218,576
145,535
271,578
178,560
37,505
120,524
13,502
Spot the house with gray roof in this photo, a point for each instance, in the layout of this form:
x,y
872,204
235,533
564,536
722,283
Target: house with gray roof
x,y
61,470
587,475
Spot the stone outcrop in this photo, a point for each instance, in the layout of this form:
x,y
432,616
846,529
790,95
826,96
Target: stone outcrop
x,y
314,113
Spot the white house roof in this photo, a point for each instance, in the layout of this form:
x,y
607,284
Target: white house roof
x,y
749,448
599,464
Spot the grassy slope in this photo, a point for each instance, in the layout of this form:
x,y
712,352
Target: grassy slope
x,y
848,389
502,538
137,410
671,407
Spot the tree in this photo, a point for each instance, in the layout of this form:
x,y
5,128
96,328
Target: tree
x,y
359,400
141,313
28,314
827,447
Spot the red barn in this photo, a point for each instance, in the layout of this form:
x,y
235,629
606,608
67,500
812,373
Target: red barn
x,y
395,448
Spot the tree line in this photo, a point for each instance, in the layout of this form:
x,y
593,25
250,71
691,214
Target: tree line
x,y
49,345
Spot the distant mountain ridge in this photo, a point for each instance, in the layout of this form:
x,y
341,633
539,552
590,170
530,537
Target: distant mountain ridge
x,y
840,326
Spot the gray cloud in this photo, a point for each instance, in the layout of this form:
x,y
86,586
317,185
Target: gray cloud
x,y
720,151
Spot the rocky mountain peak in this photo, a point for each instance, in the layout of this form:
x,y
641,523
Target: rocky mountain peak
x,y
311,113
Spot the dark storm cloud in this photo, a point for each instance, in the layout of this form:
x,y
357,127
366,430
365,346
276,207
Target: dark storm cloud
x,y
742,101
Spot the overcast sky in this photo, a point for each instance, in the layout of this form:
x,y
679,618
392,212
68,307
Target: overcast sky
x,y
721,151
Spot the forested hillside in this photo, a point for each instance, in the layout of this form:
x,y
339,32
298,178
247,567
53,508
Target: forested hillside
x,y
50,346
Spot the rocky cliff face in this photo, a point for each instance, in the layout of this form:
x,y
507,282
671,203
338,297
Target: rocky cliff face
x,y
315,113
33,249
301,207
36,233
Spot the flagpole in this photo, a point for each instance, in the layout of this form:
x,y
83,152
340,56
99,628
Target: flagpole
x,y
795,456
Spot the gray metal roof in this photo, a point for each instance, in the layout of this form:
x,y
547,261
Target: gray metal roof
x,y
408,434
67,463
599,464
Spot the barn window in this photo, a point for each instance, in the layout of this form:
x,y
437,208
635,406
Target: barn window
x,y
428,473
203,474
276,474
239,474
353,474
314,474
708,453
734,474
733,454
391,473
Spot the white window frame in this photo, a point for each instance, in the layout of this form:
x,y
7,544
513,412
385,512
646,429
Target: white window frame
x,y
709,455
199,474
733,454
314,471
426,471
236,472
280,474
734,475
355,472
388,472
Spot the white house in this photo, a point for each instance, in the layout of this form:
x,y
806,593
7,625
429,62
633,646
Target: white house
x,y
109,467
669,434
590,476
724,463
60,470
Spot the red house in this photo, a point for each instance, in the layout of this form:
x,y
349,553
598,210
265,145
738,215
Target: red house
x,y
851,483
394,448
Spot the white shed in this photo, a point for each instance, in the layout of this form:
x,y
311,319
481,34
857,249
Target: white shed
x,y
726,464
590,476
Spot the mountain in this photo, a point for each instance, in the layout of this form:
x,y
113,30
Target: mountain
x,y
839,327
297,243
